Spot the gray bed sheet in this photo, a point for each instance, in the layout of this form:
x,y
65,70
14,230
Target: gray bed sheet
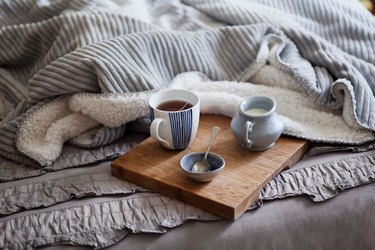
x,y
346,221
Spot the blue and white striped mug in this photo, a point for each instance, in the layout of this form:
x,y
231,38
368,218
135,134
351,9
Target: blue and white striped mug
x,y
175,118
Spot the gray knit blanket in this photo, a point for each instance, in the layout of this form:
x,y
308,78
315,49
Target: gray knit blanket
x,y
57,57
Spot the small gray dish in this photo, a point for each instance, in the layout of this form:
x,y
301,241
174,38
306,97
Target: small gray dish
x,y
216,162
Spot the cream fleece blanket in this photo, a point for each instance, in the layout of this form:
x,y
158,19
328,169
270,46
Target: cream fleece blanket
x,y
43,134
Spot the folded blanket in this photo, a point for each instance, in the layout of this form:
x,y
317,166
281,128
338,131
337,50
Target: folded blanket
x,y
43,134
59,52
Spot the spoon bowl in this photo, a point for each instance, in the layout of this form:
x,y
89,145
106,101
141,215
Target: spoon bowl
x,y
217,164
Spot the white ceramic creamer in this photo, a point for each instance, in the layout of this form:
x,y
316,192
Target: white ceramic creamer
x,y
257,126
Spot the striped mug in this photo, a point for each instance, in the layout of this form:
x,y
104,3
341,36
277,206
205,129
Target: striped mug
x,y
175,118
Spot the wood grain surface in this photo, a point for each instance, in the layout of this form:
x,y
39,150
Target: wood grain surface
x,y
232,191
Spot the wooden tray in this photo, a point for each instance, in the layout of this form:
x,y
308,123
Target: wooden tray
x,y
230,193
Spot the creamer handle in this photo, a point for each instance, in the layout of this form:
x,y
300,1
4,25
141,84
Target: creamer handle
x,y
248,128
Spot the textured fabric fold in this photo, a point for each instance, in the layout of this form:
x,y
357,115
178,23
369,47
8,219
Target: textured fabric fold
x,y
97,224
102,221
42,135
97,137
8,131
53,48
347,59
84,46
50,192
70,157
48,127
322,181
302,118
318,181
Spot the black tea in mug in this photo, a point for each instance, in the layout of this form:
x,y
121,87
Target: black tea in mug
x,y
174,105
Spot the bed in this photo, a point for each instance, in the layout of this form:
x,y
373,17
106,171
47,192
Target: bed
x,y
75,79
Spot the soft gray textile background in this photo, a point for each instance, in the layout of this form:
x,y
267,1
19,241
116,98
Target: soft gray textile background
x,y
102,221
344,222
60,47
52,48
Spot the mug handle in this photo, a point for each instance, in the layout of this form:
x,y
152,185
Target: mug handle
x,y
154,131
248,128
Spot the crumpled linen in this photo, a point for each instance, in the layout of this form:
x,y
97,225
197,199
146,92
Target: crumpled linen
x,y
112,52
103,221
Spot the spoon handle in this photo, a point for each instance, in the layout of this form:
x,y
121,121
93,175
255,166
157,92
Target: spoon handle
x,y
214,132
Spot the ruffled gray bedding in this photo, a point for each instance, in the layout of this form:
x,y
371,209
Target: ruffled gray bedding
x,y
102,221
75,78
